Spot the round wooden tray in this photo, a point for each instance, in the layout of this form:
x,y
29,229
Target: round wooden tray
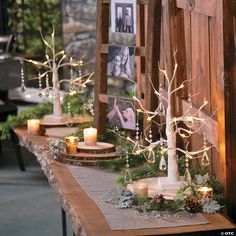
x,y
44,125
75,121
89,155
99,148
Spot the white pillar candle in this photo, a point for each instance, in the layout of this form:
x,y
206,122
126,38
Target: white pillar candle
x,y
71,144
90,136
33,126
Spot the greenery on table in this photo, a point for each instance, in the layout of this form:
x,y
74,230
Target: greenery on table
x,y
200,180
190,202
12,122
78,106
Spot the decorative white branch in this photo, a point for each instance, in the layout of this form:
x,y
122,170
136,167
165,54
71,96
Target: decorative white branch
x,y
168,145
55,61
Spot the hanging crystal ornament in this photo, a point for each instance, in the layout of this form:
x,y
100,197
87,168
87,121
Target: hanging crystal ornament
x,y
136,149
161,108
69,121
40,84
127,176
22,87
162,164
151,156
189,121
187,175
47,86
205,159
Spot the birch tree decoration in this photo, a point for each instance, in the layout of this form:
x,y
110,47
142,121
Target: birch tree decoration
x,y
49,69
167,145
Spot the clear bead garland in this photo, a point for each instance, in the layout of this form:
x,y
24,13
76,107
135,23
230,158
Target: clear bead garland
x,y
22,87
40,84
69,115
190,104
47,86
136,148
127,176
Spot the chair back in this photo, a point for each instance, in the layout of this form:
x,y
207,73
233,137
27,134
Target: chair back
x,y
6,43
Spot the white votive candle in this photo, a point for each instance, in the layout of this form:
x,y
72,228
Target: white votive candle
x,y
33,126
90,136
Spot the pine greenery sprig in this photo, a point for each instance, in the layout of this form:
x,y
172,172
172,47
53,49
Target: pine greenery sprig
x,y
77,104
12,122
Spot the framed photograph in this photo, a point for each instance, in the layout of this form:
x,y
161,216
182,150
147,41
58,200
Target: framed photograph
x,y
121,112
123,16
121,62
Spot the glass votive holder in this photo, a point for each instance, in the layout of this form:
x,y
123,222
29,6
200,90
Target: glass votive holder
x,y
71,144
33,126
204,193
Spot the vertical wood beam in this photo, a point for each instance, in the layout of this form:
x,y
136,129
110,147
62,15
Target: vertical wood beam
x,y
102,29
228,33
152,58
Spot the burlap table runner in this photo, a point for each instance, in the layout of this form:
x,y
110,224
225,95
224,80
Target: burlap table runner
x,y
96,183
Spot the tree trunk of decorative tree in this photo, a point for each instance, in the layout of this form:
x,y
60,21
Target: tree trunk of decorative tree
x,y
56,92
173,170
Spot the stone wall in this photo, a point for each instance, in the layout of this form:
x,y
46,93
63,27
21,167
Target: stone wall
x,y
79,26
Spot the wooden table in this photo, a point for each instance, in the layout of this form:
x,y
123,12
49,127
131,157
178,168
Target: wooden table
x,y
84,215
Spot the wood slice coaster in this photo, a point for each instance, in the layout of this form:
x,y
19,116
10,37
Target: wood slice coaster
x,y
90,155
98,148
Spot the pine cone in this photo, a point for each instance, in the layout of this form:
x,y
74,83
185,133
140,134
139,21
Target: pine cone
x,y
192,205
159,199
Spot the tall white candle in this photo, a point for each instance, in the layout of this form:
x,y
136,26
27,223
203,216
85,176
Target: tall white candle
x,y
33,126
90,136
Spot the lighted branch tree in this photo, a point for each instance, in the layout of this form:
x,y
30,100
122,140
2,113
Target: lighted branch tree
x,y
55,61
173,127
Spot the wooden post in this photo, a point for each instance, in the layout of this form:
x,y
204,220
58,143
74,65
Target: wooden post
x,y
152,59
101,64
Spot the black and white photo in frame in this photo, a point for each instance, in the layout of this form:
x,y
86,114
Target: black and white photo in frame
x,y
121,112
121,62
123,16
